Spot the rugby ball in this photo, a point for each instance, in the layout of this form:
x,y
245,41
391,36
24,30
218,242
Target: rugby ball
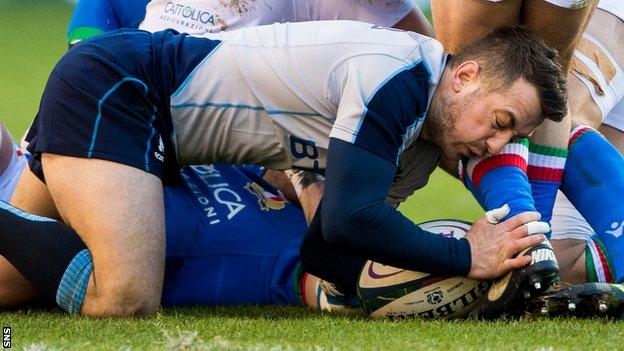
x,y
389,292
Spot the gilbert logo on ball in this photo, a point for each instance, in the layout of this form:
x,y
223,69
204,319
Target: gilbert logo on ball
x,y
390,292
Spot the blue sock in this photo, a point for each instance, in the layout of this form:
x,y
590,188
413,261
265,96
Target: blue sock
x,y
593,180
73,287
501,179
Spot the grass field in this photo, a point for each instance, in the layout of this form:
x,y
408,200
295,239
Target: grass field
x,y
31,39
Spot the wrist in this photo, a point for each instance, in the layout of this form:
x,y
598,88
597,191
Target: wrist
x,y
302,179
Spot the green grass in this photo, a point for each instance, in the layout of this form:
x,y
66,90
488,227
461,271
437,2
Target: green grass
x,y
32,38
284,328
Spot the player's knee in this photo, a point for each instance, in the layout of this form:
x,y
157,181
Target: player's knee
x,y
123,300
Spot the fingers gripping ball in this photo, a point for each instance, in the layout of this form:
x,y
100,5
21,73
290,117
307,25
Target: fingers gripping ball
x,y
389,292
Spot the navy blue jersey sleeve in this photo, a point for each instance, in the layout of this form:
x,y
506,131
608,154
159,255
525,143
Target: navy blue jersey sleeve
x,y
382,103
92,17
394,111
356,217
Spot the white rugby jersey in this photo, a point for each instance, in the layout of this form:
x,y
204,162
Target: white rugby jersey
x,y
199,17
273,95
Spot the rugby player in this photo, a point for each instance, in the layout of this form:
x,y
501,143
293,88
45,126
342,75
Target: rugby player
x,y
226,247
271,113
93,17
231,238
532,171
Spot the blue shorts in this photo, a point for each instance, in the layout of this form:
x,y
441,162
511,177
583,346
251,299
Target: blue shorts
x,y
108,98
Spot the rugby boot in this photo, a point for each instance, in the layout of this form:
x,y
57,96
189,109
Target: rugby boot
x,y
582,300
510,294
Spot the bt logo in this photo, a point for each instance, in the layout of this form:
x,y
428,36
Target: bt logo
x,y
301,148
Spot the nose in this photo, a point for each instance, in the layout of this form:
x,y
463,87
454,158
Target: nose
x,y
497,142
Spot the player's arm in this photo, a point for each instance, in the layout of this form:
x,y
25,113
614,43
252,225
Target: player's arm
x,y
354,215
308,188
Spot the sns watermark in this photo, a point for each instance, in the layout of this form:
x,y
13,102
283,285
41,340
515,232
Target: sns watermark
x,y
6,337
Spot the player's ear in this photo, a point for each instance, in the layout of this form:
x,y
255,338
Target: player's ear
x,y
465,73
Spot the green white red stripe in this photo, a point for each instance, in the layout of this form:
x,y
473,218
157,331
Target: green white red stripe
x,y
513,154
577,132
598,266
546,163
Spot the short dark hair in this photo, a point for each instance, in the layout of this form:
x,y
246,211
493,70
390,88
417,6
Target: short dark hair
x,y
509,53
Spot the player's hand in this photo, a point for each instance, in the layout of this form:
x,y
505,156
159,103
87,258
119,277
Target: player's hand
x,y
494,245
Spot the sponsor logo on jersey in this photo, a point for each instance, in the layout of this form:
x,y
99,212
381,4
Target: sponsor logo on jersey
x,y
302,149
617,229
213,189
266,200
189,13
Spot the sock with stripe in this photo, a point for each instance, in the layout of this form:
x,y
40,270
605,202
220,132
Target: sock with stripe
x,y
597,262
593,180
501,179
49,254
545,170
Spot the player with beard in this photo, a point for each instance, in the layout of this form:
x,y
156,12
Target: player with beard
x,y
332,111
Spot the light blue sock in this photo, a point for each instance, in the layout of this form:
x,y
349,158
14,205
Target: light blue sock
x,y
73,287
593,180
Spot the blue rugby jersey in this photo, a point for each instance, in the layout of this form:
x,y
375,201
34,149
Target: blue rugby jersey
x,y
231,239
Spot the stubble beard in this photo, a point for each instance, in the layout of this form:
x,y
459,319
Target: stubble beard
x,y
440,125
